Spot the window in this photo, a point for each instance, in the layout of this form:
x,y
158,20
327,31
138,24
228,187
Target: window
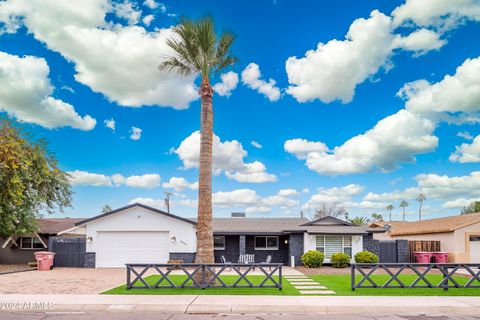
x,y
29,243
474,238
219,242
266,243
329,245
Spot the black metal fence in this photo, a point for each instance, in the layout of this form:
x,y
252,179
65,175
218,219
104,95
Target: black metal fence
x,y
452,275
203,276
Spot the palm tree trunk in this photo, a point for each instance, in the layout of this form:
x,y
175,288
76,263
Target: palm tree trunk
x,y
204,224
420,212
403,213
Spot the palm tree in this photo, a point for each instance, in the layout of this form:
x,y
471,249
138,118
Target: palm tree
x,y
404,204
200,50
360,221
421,197
106,208
390,208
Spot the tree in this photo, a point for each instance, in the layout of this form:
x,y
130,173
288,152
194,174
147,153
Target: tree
x,y
30,182
390,208
330,210
404,204
360,221
473,207
420,198
377,217
199,50
106,208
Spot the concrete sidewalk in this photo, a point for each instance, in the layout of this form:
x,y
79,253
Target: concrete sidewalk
x,y
195,304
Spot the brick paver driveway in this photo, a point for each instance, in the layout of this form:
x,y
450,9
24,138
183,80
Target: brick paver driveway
x,y
62,280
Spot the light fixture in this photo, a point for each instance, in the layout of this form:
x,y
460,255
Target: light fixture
x,y
286,241
89,239
173,239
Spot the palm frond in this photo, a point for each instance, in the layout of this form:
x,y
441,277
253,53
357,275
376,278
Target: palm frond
x,y
197,48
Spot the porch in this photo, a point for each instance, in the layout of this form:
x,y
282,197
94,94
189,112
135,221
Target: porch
x,y
279,246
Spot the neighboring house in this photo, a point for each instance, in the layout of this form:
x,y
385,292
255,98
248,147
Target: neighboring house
x,y
140,234
458,235
20,249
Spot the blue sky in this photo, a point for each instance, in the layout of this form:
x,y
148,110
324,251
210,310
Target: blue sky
x,y
360,118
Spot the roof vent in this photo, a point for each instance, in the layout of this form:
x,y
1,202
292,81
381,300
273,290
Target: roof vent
x,y
238,215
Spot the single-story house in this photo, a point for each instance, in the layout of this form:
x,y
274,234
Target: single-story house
x,y
20,249
141,234
458,235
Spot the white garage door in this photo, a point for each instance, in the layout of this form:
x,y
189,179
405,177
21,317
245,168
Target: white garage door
x,y
115,248
475,249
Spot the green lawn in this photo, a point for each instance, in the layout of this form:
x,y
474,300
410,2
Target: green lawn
x,y
341,285
338,283
288,289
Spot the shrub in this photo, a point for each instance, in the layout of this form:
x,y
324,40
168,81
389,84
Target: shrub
x,y
366,257
312,259
340,260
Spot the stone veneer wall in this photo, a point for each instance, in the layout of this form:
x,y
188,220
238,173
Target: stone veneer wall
x,y
295,248
89,260
403,251
187,257
231,252
370,244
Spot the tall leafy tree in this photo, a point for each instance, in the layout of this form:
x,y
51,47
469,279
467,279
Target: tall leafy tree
x,y
199,50
420,198
404,204
30,182
390,207
330,210
377,217
473,207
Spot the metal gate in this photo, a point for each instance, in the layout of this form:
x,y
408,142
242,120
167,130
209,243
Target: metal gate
x,y
388,252
69,252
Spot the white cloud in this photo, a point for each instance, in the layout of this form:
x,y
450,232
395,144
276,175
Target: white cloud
x,y
395,139
333,70
250,210
82,35
150,3
250,198
110,123
420,41
467,152
287,193
306,190
127,11
458,203
179,184
25,93
79,177
465,135
228,84
251,77
453,94
146,181
135,133
452,190
256,144
337,195
227,157
147,20
442,14
302,147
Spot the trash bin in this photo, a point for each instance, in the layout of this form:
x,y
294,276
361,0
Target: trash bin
x,y
44,260
440,257
423,257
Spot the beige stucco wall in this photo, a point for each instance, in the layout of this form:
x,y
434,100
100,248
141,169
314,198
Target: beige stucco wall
x,y
455,243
